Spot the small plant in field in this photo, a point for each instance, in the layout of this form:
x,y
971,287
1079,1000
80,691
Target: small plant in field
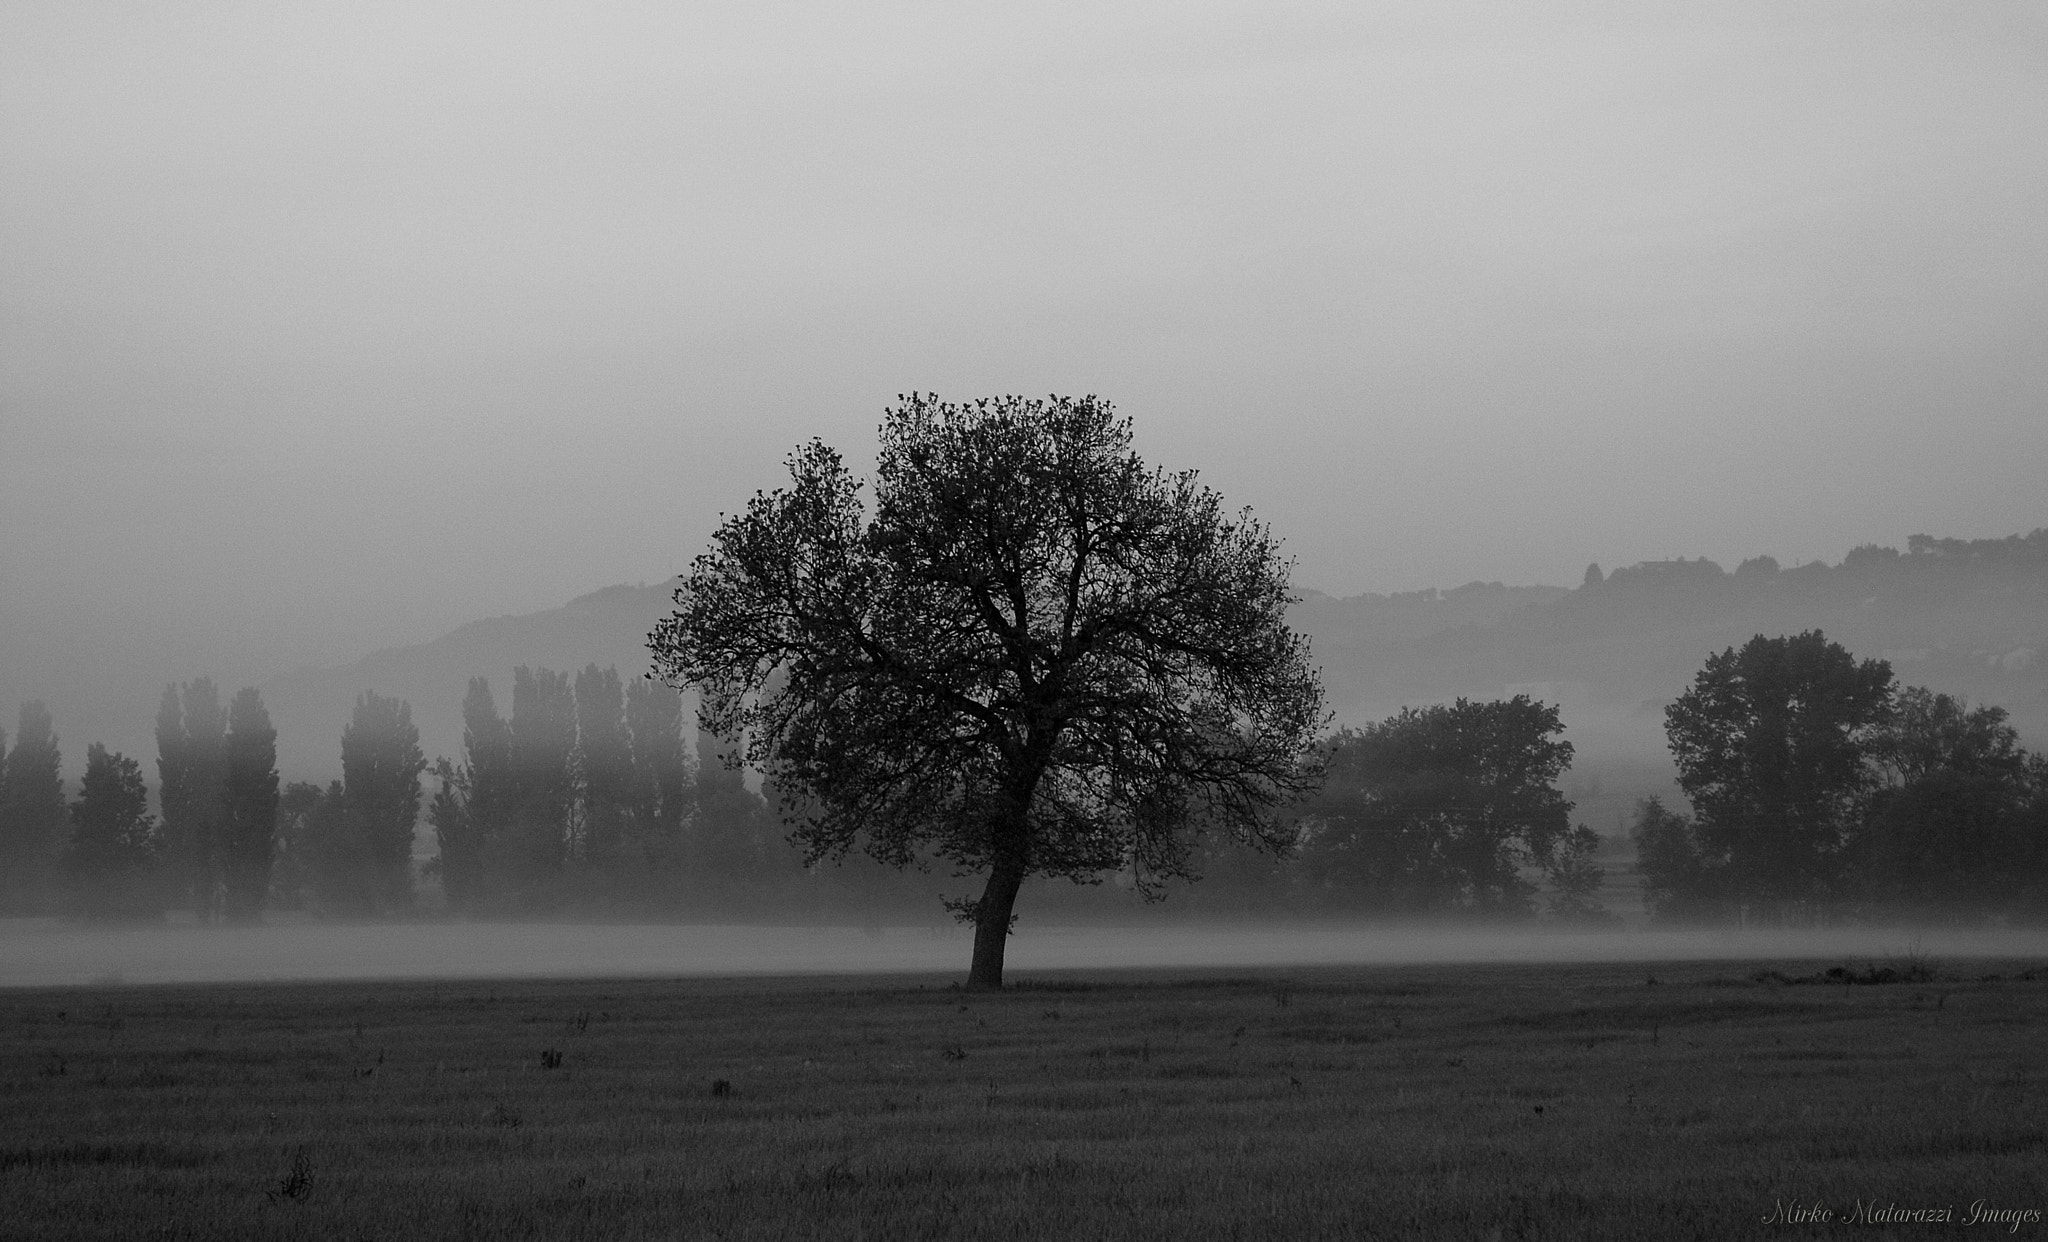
x,y
954,1053
1914,964
1909,970
721,1088
550,1058
498,1115
297,1181
580,1024
54,1066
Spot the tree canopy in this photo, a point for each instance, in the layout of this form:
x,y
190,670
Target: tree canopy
x,y
1439,808
1770,743
1032,655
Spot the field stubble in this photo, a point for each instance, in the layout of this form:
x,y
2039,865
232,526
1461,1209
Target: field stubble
x,y
1558,1101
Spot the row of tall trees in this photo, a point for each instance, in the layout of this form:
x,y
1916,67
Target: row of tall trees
x,y
106,854
218,791
34,823
224,842
586,795
348,848
1820,787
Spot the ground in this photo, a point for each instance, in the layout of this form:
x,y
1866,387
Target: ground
x,y
1691,1100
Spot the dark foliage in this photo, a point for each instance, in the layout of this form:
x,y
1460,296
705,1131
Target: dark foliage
x,y
1441,809
380,775
249,806
33,821
543,742
1955,828
1770,743
1819,790
191,742
1034,656
112,861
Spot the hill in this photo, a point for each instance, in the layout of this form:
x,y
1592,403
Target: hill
x,y
310,706
1968,617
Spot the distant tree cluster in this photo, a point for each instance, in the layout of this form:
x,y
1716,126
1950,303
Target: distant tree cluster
x,y
106,855
34,822
585,796
348,848
1448,811
1819,787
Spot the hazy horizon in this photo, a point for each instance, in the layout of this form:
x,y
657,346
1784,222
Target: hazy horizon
x,y
324,333
43,953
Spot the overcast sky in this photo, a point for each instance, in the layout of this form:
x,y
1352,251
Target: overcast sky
x,y
328,327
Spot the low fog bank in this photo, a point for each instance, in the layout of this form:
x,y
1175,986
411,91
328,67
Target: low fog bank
x,y
45,953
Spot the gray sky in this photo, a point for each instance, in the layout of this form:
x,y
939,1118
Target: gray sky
x,y
327,327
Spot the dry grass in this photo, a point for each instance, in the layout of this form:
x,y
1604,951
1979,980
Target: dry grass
x,y
1532,1102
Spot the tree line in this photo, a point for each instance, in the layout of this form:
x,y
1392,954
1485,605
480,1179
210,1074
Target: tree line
x,y
591,796
1817,787
1820,788
585,796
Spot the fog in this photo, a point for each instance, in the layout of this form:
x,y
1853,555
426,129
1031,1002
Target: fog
x,y
43,953
323,331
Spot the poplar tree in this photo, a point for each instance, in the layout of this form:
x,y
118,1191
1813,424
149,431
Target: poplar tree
x,y
380,776
191,739
731,824
543,741
250,802
661,791
604,766
113,851
472,807
33,822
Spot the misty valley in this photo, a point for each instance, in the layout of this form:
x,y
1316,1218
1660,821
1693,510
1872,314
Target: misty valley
x,y
510,730
619,961
594,796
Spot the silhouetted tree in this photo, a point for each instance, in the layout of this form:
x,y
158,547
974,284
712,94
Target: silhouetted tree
x,y
380,775
1770,743
1949,832
458,858
473,807
731,829
662,796
1440,808
249,819
604,768
113,852
33,822
327,849
1678,885
191,740
296,868
543,738
1035,657
1575,879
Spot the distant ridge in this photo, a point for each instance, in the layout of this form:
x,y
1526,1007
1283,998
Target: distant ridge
x,y
1966,616
606,627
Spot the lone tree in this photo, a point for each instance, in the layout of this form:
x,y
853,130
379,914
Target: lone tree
x,y
1032,656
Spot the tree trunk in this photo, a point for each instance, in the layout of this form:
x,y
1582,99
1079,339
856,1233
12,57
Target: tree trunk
x,y
992,925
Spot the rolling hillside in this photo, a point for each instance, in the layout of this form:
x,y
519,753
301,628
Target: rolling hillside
x,y
1966,617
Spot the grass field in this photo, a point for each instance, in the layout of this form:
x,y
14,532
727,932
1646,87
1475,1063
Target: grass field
x,y
1563,1101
